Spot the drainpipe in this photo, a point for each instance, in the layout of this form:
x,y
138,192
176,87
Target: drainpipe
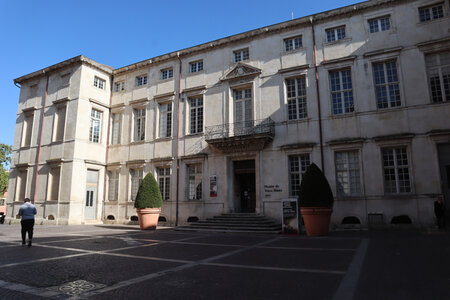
x,y
178,144
317,93
107,147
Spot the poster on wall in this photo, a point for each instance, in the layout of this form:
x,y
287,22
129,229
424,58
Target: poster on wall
x,y
213,186
290,216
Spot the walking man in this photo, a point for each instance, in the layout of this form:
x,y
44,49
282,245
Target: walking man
x,y
27,212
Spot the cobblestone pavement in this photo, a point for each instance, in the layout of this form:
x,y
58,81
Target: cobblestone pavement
x,y
122,262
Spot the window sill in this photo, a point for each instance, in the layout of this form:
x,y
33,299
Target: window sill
x,y
162,139
140,86
194,134
337,42
424,23
344,115
195,73
349,198
165,80
114,145
301,49
382,110
295,121
137,142
57,142
24,147
196,201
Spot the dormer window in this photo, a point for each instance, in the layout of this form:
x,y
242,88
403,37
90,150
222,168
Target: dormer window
x,y
379,24
431,12
119,86
293,43
241,55
335,34
141,80
166,73
99,83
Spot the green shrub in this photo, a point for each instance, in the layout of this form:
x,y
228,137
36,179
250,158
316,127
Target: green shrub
x,y
314,189
149,195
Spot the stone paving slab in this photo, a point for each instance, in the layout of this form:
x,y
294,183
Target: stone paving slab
x,y
16,295
98,244
231,239
17,253
316,242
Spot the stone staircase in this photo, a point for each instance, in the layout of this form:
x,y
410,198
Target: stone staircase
x,y
235,222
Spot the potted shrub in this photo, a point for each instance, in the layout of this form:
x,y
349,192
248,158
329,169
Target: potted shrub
x,y
148,202
315,201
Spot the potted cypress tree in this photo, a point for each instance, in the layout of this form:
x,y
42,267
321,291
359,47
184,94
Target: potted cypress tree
x,y
148,203
315,201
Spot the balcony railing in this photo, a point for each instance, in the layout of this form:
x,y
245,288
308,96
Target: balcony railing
x,y
241,129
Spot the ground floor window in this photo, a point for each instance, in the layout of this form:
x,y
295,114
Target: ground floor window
x,y
194,187
396,170
136,179
297,167
113,185
164,182
348,181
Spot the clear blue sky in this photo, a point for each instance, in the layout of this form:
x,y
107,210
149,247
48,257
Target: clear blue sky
x,y
37,34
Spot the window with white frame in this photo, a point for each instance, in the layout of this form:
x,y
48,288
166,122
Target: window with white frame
x,y
166,73
27,129
194,186
119,86
116,128
113,185
140,80
341,91
386,84
379,24
335,34
348,181
21,184
163,174
139,124
165,120
241,55
136,176
53,183
293,43
396,170
296,98
99,83
95,126
59,123
196,114
438,69
432,12
196,66
297,168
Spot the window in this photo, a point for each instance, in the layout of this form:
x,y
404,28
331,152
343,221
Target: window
x,y
119,86
196,66
379,24
99,83
396,170
65,80
243,111
113,185
194,181
241,55
136,179
335,34
165,120
116,126
166,73
53,183
297,167
386,84
438,69
27,130
196,111
141,80
164,182
431,12
139,124
348,180
21,184
94,129
293,43
341,91
59,122
296,98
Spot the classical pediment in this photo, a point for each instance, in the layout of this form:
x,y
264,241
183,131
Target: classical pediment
x,y
241,70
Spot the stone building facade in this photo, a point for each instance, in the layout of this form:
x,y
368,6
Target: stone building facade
x,y
231,125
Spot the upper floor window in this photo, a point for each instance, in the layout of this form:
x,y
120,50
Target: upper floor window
x,y
396,170
165,120
341,91
196,66
141,80
95,126
27,129
296,98
379,24
166,73
241,55
196,114
335,34
58,124
431,12
293,43
119,86
438,69
99,83
139,124
116,124
386,84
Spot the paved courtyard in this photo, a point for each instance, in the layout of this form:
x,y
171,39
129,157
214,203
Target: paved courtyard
x,y
122,262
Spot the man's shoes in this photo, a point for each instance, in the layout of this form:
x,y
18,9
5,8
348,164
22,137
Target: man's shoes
x,y
29,243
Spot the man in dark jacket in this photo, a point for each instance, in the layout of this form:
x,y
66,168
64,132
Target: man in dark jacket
x,y
27,212
439,210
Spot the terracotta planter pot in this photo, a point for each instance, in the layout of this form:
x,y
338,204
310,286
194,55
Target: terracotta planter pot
x,y
148,217
317,220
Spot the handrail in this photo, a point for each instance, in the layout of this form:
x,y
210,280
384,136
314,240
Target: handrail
x,y
240,129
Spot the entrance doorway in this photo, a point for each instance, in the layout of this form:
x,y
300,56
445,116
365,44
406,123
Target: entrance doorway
x,y
90,208
244,186
444,166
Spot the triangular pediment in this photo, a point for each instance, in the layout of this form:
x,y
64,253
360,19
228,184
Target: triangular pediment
x,y
241,70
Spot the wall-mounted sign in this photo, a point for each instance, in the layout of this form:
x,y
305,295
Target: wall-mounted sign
x,y
213,186
290,216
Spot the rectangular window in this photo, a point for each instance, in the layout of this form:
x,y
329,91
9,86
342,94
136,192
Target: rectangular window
x,y
65,80
386,84
166,73
141,80
27,130
296,98
341,91
431,12
293,43
113,185
335,34
348,182
136,179
99,83
165,120
297,167
139,124
59,124
396,170
94,129
53,183
194,181
438,69
21,185
196,114
116,128
241,55
379,24
196,66
164,182
119,86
